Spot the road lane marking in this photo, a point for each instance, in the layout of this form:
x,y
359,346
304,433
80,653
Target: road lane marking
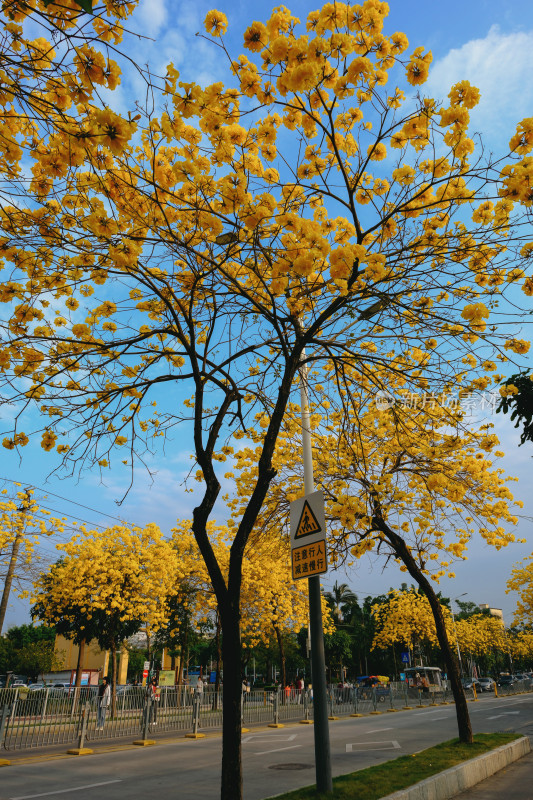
x,y
500,705
505,714
64,791
379,730
391,744
256,737
436,719
277,750
428,713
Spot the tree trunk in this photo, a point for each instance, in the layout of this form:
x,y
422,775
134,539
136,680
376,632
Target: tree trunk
x,y
402,551
79,665
19,536
219,663
282,659
10,575
231,785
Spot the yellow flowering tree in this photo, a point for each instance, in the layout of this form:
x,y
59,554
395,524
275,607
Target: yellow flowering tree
x,y
481,635
50,83
310,203
519,644
402,475
406,618
271,602
119,579
22,522
521,582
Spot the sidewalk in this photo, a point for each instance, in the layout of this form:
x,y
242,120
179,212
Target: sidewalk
x,y
514,782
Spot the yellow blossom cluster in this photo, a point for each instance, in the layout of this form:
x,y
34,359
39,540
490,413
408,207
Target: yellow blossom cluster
x,y
406,457
406,618
521,582
171,210
271,602
124,572
22,522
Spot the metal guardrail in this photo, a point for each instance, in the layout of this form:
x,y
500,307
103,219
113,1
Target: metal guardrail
x,y
54,716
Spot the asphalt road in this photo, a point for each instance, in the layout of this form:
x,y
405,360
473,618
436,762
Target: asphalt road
x,y
274,760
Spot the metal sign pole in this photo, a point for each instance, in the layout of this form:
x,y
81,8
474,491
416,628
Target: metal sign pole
x,y
321,727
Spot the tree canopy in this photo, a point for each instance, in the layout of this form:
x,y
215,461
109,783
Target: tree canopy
x,y
196,255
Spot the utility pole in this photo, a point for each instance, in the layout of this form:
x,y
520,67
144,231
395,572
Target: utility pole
x,y
324,781
14,557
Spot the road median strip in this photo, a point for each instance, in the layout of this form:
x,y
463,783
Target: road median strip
x,y
440,772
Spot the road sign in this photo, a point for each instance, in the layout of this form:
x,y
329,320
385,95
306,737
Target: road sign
x,y
309,559
146,665
308,536
308,524
405,658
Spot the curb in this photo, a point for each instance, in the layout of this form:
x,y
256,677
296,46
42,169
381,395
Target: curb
x,y
452,782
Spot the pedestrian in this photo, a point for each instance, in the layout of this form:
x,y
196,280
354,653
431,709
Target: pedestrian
x,y
155,697
200,685
104,699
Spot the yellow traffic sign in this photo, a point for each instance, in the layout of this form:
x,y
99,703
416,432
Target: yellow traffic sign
x,y
309,560
307,524
308,536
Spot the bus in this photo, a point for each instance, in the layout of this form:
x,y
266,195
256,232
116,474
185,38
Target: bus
x,y
429,679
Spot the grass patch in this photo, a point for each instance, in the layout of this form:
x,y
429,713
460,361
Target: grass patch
x,y
373,783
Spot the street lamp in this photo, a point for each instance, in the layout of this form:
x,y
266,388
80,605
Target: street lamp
x,y
455,631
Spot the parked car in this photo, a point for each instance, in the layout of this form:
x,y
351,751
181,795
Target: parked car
x,y
470,683
127,688
486,684
59,689
36,687
18,685
507,680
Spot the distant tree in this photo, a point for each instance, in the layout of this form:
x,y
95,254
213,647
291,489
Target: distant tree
x,y
29,649
466,609
22,635
115,581
337,646
339,600
36,658
73,621
21,525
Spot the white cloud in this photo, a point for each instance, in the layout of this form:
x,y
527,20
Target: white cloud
x,y
500,65
171,37
150,17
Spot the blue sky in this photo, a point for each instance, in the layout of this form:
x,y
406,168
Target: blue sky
x,y
487,42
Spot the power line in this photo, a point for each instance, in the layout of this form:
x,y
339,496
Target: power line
x,y
72,516
67,500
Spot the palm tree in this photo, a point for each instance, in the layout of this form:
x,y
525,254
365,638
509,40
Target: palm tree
x,y
340,599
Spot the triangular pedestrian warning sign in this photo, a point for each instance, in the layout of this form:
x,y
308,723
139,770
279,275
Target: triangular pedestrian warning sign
x,y
308,523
